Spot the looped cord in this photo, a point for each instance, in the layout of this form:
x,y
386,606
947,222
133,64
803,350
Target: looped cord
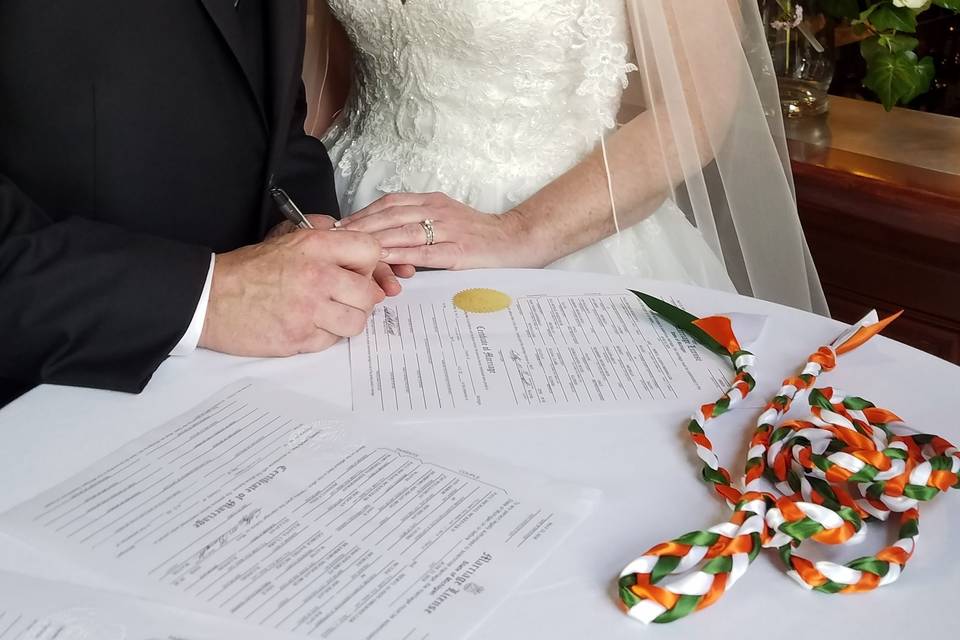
x,y
840,467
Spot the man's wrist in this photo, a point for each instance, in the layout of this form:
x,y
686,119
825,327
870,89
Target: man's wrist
x,y
191,337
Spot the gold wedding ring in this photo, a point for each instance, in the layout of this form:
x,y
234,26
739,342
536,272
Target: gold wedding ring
x,y
428,231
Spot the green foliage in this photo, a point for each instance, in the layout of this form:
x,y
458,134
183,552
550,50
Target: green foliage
x,y
898,78
888,18
894,71
952,5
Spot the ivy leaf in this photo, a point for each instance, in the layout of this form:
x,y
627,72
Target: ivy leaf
x,y
898,77
883,43
952,5
927,71
886,17
872,47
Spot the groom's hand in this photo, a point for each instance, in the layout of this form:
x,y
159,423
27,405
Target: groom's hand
x,y
294,293
384,275
319,221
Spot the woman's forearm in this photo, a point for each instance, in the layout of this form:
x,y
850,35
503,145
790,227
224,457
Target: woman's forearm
x,y
576,210
644,158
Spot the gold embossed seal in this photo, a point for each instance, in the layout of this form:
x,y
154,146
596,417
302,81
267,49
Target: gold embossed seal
x,y
481,300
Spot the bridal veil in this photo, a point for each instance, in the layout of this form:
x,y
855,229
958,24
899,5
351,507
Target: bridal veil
x,y
700,124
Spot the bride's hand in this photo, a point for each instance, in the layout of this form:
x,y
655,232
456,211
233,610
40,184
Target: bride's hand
x,y
464,238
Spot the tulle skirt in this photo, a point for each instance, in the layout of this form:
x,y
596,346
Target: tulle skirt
x,y
663,246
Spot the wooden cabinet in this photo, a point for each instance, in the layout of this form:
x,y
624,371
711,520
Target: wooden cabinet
x,y
884,232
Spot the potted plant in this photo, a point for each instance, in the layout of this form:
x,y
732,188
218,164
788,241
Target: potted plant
x,y
801,34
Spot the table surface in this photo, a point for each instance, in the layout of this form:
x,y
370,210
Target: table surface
x,y
640,460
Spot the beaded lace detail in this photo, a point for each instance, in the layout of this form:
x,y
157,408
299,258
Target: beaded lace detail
x,y
505,93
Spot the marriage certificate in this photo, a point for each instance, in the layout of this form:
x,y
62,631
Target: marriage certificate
x,y
34,609
254,506
428,351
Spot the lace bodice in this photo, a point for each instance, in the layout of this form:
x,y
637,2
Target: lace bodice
x,y
478,92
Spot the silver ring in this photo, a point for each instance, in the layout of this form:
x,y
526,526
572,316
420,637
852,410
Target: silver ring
x,y
428,231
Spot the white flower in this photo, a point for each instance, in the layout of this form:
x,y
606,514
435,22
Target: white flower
x,y
797,20
911,4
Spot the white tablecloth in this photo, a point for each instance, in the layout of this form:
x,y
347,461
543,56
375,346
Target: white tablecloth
x,y
641,461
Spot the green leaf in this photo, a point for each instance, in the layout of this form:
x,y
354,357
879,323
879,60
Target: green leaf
x,y
952,5
683,321
899,42
872,47
886,17
898,77
927,72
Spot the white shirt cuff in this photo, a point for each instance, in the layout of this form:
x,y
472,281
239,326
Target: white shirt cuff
x,y
188,343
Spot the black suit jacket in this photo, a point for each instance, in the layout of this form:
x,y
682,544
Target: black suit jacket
x,y
132,144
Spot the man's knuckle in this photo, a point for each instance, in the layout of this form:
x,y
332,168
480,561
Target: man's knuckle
x,y
293,329
315,274
356,323
313,241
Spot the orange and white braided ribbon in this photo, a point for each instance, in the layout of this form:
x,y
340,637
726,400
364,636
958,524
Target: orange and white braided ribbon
x,y
831,473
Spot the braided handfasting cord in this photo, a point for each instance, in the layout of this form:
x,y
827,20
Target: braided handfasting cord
x,y
811,463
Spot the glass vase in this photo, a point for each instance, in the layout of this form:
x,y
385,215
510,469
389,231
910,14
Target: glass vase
x,y
801,41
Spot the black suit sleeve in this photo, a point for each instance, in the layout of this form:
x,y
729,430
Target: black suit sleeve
x,y
88,304
305,171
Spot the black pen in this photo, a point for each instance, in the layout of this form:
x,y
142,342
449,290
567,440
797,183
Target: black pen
x,y
289,209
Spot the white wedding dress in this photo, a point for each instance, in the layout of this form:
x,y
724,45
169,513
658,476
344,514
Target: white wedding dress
x,y
488,101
